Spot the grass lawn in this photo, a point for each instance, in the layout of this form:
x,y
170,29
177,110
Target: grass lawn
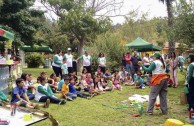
x,y
82,112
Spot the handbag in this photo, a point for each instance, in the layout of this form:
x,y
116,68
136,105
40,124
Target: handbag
x,y
186,90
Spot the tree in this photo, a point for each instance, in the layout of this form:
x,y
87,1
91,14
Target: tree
x,y
170,24
77,21
23,21
184,26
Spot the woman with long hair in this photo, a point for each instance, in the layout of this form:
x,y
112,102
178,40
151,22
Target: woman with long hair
x,y
174,68
158,83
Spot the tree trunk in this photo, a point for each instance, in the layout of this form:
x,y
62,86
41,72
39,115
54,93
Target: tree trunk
x,y
170,24
80,52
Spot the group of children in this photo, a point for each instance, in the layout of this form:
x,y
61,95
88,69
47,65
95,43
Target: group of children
x,y
70,87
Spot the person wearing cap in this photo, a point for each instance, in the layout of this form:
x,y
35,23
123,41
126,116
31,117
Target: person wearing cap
x,y
57,62
158,83
70,59
87,61
190,81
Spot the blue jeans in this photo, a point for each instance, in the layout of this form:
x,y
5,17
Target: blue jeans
x,y
71,95
129,68
82,95
30,96
52,99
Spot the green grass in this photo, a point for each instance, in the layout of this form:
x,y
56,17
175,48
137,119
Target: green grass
x,y
82,112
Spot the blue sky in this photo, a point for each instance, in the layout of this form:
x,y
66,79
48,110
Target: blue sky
x,y
153,7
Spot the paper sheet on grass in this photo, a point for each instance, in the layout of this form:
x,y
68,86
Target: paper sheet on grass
x,y
139,98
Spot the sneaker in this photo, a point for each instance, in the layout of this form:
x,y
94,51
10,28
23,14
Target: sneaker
x,y
62,102
46,104
69,99
143,87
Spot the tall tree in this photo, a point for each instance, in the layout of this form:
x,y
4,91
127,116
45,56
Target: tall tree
x,y
24,22
170,23
78,21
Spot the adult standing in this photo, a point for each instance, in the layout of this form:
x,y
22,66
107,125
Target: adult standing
x,y
181,61
174,68
123,63
135,59
87,61
158,84
128,63
57,62
190,80
70,59
146,61
102,62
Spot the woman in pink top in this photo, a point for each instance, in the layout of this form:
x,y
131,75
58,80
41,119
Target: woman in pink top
x,y
128,63
174,68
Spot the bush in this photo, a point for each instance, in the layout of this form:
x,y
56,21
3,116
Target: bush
x,y
110,45
34,60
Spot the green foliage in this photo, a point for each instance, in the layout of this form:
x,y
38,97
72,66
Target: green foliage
x,y
184,25
109,44
34,60
17,15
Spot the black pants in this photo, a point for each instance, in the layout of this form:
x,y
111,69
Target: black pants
x,y
52,99
70,70
103,69
88,68
191,94
57,71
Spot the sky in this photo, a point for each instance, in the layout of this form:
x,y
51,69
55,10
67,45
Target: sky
x,y
153,7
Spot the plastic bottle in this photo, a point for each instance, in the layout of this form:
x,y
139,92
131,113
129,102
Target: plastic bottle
x,y
157,104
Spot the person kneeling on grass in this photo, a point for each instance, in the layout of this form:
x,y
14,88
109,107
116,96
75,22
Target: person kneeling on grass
x,y
139,81
44,93
3,98
20,98
65,90
73,90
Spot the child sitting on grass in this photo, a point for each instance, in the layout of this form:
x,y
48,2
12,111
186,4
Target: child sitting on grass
x,y
116,82
73,90
20,98
25,77
139,81
84,84
98,84
170,82
129,80
3,98
65,90
110,86
44,92
123,75
51,82
31,86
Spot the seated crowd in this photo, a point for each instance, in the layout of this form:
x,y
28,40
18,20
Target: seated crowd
x,y
45,89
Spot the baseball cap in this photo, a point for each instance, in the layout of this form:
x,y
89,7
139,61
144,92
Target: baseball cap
x,y
69,49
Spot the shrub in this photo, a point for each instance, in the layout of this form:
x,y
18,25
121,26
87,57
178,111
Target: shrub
x,y
34,60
